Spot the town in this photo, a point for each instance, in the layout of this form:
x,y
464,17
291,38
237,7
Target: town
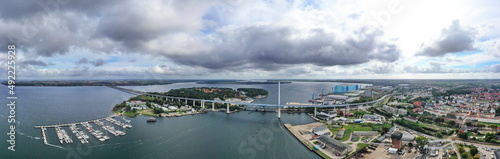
x,y
433,119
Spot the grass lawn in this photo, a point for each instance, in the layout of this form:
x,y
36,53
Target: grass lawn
x,y
378,127
129,114
490,123
148,112
361,146
471,134
347,134
349,129
357,127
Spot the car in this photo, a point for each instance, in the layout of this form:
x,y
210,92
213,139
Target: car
x,y
338,154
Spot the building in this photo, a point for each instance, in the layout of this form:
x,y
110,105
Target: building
x,y
372,117
335,145
326,116
496,154
340,134
322,130
392,150
394,110
340,89
408,137
464,129
365,133
397,141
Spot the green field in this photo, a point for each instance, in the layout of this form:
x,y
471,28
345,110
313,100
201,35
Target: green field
x,y
497,124
349,129
361,146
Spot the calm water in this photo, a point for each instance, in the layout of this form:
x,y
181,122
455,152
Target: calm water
x,y
211,135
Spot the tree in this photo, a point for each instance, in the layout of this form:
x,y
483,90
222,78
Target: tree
x,y
421,141
128,108
464,155
341,113
463,135
468,123
497,111
480,125
149,105
452,123
439,120
158,110
473,150
410,144
449,115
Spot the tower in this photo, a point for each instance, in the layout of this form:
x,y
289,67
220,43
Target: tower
x,y
279,100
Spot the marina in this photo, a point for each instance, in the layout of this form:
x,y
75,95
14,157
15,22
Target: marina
x,y
104,125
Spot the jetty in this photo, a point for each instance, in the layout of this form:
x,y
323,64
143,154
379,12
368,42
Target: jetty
x,y
65,137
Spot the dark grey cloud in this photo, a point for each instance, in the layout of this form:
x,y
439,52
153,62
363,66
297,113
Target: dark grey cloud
x,y
96,63
82,61
36,63
19,9
270,47
53,28
495,68
153,27
453,39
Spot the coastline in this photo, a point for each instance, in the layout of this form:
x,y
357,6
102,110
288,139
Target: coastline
x,y
304,141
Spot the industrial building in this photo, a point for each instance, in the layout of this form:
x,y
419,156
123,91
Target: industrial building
x,y
341,89
397,141
335,145
322,130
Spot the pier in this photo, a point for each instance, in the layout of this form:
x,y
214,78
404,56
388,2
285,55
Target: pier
x,y
69,124
44,137
65,137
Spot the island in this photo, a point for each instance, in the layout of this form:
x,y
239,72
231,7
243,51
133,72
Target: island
x,y
151,106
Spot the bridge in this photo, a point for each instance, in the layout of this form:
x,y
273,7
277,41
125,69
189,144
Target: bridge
x,y
278,106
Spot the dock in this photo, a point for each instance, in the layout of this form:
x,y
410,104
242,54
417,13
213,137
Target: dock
x,y
296,134
44,137
65,137
69,124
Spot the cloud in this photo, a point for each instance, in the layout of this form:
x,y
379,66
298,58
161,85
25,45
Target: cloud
x,y
96,63
453,39
272,47
172,30
431,67
82,61
36,63
494,68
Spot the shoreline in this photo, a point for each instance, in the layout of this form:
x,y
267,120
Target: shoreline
x,y
304,141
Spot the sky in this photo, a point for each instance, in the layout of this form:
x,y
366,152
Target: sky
x,y
252,39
